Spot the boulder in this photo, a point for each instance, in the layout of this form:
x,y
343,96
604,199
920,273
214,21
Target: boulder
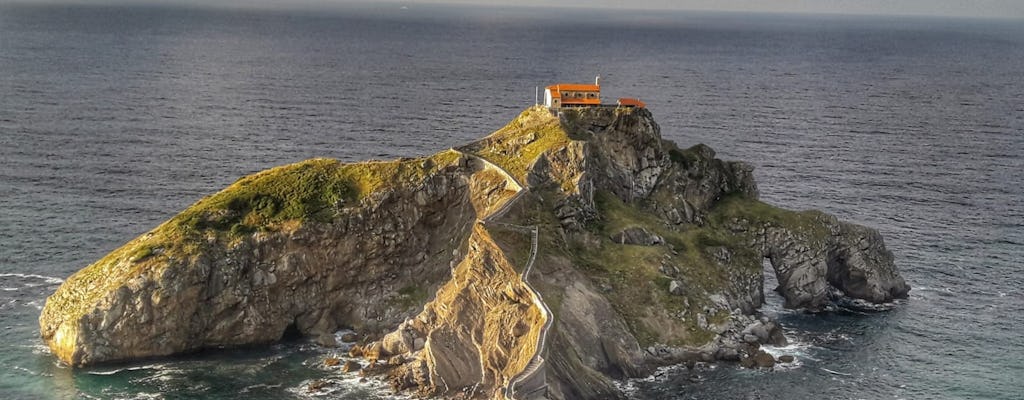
x,y
637,236
400,341
350,337
777,337
668,270
375,352
727,354
676,287
763,360
350,366
317,385
758,330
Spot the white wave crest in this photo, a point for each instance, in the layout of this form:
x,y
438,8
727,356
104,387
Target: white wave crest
x,y
47,279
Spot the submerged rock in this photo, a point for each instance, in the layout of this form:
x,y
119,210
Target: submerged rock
x,y
427,259
763,360
350,366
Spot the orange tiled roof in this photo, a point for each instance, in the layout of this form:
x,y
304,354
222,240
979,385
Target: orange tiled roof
x,y
576,87
629,101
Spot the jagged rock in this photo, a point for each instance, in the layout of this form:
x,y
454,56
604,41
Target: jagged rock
x,y
331,361
727,354
776,336
676,288
759,330
861,266
764,332
786,359
396,361
668,270
846,302
400,341
850,258
637,236
426,256
317,385
374,352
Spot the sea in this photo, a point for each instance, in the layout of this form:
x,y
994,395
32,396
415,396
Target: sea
x,y
114,118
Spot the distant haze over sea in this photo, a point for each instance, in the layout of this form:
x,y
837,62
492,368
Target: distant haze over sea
x,y
114,118
1002,9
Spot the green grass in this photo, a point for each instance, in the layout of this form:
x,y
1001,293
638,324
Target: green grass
x,y
517,145
410,296
685,158
142,252
734,207
279,198
312,190
303,191
640,290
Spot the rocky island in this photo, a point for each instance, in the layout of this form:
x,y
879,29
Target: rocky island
x,y
550,258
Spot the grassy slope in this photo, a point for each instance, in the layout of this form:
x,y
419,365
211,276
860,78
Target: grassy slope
x,y
518,144
280,198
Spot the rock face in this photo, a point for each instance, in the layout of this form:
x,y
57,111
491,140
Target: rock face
x,y
368,269
851,258
549,258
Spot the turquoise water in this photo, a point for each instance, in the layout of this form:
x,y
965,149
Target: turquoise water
x,y
114,118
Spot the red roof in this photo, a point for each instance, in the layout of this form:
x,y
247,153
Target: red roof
x,y
574,87
631,102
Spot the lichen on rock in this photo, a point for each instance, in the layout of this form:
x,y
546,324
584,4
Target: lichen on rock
x,y
551,257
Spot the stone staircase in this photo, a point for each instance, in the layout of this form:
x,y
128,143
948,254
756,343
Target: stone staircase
x,y
530,383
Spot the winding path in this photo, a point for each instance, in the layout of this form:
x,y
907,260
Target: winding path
x,y
536,361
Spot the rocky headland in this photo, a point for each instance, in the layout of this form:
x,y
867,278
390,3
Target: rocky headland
x,y
550,258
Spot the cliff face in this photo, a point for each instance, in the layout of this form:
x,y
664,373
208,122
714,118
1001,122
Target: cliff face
x,y
235,269
552,256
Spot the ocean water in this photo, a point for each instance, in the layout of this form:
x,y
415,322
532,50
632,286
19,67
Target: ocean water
x,y
112,119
